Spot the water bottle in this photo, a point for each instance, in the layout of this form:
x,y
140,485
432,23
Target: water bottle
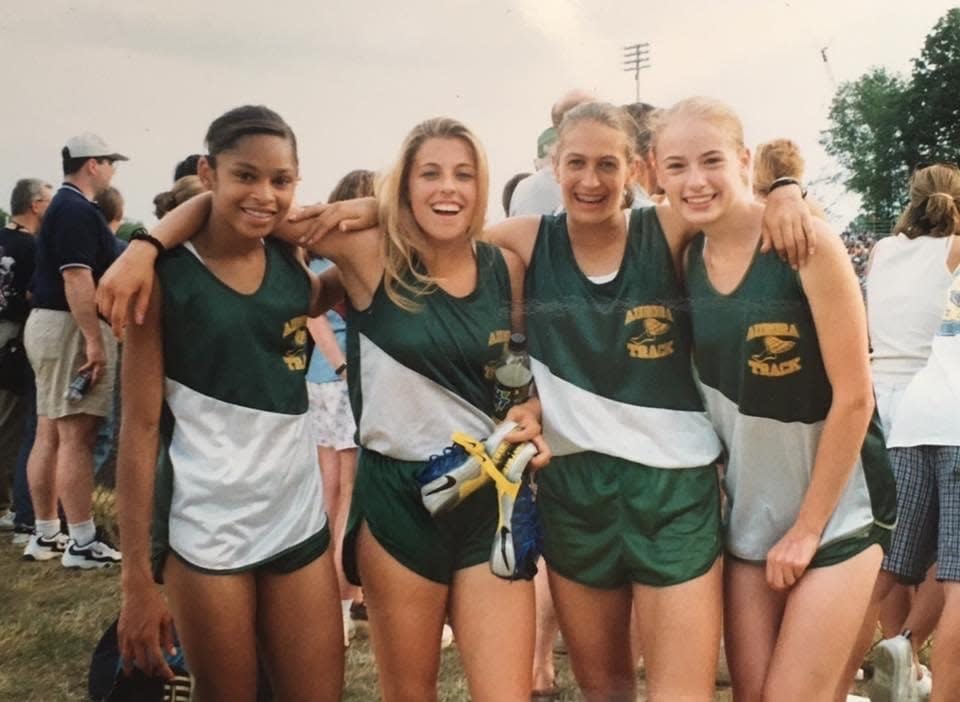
x,y
78,388
513,379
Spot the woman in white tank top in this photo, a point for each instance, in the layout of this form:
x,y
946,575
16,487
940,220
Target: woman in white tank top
x,y
908,284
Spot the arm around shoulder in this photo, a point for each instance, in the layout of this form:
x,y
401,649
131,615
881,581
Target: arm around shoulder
x,y
516,234
517,271
124,290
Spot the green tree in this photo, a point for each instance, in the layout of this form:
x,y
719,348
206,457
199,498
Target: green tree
x,y
865,136
882,126
3,217
932,124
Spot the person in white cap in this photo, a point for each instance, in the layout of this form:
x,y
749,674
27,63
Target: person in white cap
x,y
73,355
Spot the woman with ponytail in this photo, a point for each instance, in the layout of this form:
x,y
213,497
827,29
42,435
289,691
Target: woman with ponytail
x,y
916,374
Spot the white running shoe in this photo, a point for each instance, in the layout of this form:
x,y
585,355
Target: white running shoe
x,y
8,520
923,685
99,553
892,671
451,477
516,543
21,534
42,549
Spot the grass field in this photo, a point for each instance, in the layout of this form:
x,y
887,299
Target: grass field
x,y
52,618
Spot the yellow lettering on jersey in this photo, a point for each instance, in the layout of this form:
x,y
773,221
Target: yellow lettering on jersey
x,y
648,311
291,326
774,370
501,336
296,362
296,356
638,350
773,329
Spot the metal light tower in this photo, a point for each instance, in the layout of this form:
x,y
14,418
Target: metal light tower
x,y
635,57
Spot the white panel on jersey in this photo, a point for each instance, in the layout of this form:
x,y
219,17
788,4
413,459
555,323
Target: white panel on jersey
x,y
576,420
246,482
767,475
407,416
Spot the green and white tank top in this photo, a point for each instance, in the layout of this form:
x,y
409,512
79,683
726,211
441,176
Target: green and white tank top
x,y
416,377
612,360
758,361
245,484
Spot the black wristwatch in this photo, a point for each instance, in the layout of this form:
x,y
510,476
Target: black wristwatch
x,y
786,180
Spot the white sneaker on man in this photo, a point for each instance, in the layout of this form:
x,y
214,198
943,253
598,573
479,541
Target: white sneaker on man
x,y
99,553
43,549
7,520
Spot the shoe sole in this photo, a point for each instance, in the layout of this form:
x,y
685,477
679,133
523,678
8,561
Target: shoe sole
x,y
890,677
39,557
88,565
503,557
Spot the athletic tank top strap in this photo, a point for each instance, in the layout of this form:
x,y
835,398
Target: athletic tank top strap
x,y
613,359
418,376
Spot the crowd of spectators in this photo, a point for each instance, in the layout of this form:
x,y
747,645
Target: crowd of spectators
x,y
859,245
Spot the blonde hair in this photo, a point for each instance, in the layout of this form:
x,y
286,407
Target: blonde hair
x,y
934,194
184,189
608,115
710,109
404,243
716,112
779,158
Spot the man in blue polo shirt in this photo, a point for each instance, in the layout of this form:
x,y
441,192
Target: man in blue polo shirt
x,y
71,349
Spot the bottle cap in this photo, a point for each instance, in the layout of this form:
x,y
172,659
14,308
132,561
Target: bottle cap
x,y
518,342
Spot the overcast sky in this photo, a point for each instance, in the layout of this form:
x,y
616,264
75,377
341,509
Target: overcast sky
x,y
352,78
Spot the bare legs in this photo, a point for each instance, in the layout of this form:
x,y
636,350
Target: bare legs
x,y
221,619
492,619
793,645
677,624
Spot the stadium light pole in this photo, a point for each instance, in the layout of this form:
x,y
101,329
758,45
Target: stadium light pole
x,y
635,57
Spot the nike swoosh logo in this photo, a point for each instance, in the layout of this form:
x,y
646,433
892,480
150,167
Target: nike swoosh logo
x,y
450,482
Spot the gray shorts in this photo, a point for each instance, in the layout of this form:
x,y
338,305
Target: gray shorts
x,y
56,350
928,513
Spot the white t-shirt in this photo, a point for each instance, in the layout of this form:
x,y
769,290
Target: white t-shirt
x,y
538,194
929,412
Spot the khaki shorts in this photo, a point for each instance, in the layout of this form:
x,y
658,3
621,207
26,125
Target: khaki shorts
x,y
56,350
